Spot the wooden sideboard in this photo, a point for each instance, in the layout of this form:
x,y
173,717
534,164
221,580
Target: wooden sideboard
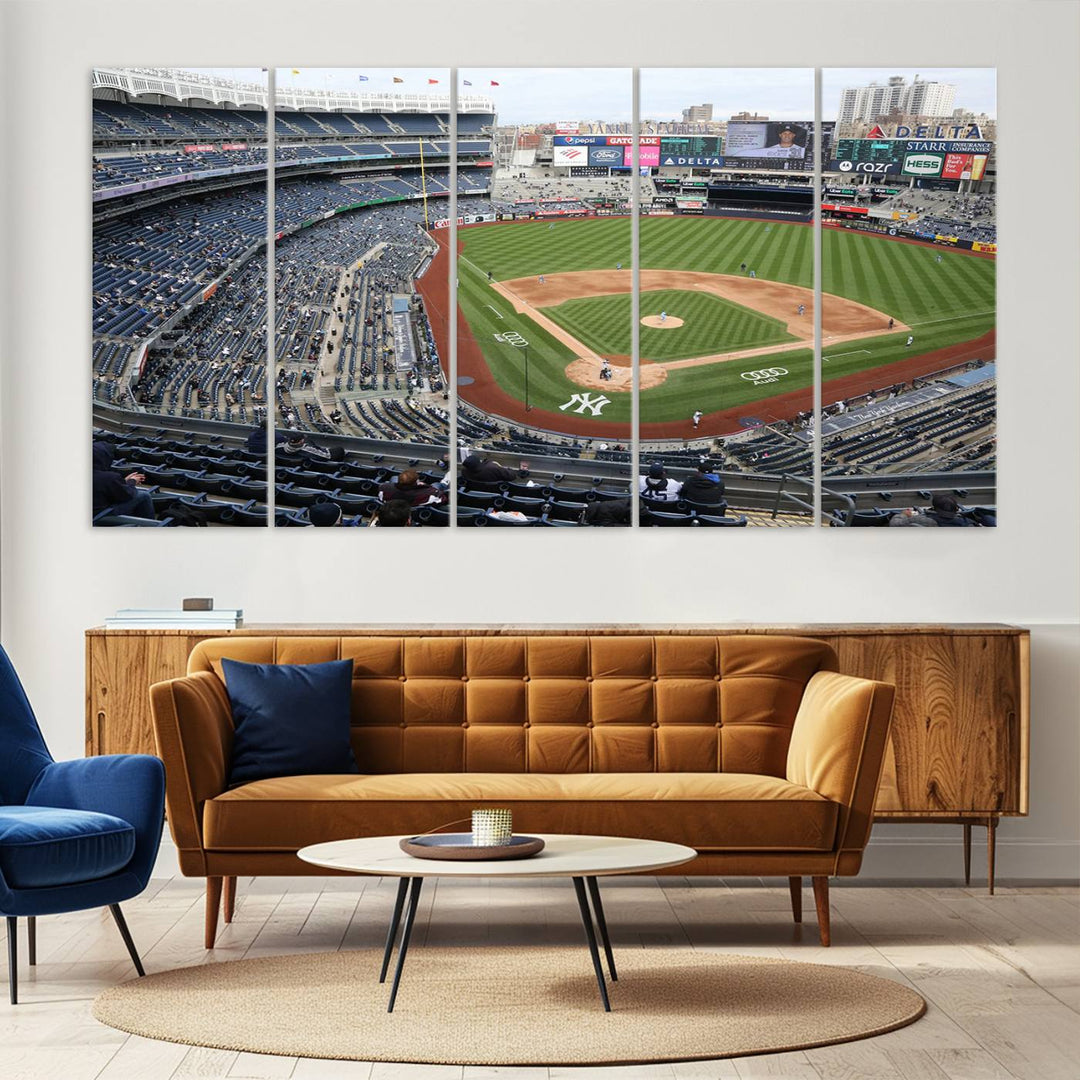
x,y
959,748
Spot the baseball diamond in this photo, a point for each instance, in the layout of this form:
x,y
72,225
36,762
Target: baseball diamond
x,y
579,314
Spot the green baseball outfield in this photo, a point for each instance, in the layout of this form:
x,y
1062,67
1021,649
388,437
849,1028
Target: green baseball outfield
x,y
707,321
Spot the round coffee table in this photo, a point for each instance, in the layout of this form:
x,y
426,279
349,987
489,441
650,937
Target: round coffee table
x,y
583,858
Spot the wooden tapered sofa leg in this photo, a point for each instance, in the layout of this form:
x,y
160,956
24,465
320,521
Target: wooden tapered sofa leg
x,y
213,906
795,885
821,899
229,902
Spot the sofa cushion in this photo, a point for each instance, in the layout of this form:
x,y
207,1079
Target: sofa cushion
x,y
290,719
730,811
41,847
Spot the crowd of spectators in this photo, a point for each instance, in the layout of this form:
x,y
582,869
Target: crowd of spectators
x,y
968,215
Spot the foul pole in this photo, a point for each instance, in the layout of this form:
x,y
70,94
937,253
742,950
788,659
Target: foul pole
x,y
423,179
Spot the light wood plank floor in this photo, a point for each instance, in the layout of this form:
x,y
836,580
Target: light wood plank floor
x,y
1001,974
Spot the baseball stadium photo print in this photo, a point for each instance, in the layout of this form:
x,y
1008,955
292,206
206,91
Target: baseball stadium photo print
x,y
588,383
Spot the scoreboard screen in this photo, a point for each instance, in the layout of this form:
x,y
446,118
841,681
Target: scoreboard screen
x,y
875,150
692,145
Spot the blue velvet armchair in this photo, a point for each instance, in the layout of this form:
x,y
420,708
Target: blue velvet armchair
x,y
73,834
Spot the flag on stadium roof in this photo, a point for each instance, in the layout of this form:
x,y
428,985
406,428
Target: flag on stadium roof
x,y
466,82
296,71
363,78
494,83
396,79
432,82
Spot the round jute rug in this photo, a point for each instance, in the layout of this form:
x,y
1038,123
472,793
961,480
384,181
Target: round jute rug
x,y
510,1006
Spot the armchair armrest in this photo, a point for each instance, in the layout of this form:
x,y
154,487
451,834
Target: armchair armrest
x,y
193,729
127,786
837,749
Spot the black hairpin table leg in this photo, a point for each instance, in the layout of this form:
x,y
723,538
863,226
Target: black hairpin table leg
x,y
403,948
590,935
601,922
395,922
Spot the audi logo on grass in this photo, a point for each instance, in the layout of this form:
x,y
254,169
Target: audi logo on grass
x,y
764,375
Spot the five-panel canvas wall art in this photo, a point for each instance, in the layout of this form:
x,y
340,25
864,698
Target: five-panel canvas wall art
x,y
621,327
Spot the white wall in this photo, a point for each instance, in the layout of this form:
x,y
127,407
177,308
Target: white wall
x,y
59,576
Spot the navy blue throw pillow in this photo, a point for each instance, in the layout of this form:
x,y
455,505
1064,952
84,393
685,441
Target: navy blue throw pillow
x,y
290,719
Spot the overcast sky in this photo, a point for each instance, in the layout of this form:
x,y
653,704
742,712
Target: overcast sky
x,y
779,93
541,95
537,95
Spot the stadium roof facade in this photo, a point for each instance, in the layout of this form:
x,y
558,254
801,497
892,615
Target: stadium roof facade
x,y
187,85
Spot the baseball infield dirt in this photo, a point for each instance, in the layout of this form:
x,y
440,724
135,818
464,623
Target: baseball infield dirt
x,y
670,322
772,298
841,319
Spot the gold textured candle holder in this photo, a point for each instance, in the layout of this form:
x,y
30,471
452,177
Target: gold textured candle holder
x,y
491,828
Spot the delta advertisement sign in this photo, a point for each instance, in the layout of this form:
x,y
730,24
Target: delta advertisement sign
x,y
926,131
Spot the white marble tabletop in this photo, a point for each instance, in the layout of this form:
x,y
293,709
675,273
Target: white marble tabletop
x,y
563,856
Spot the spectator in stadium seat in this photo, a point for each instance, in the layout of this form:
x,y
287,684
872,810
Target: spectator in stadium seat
x,y
256,440
408,487
113,492
911,516
703,486
656,484
324,515
945,510
393,515
295,444
608,513
474,467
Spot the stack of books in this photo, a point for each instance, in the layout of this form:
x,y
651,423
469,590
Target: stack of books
x,y
174,618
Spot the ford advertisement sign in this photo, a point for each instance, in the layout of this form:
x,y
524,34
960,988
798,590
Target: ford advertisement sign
x,y
605,155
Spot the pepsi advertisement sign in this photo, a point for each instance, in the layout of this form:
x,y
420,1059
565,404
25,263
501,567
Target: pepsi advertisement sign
x,y
579,140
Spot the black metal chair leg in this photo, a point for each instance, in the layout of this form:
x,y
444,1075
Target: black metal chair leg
x,y
121,925
13,957
403,948
395,922
601,922
31,938
590,934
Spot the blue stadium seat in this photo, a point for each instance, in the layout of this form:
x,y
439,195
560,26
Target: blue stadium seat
x,y
655,518
246,515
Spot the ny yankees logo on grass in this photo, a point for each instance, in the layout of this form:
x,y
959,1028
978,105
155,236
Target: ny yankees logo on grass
x,y
586,401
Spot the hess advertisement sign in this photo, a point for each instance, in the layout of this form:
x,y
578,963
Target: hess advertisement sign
x,y
923,164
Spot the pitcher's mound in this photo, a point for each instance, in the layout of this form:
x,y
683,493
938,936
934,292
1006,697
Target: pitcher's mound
x,y
669,323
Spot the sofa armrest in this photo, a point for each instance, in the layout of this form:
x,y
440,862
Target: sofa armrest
x,y
837,749
193,729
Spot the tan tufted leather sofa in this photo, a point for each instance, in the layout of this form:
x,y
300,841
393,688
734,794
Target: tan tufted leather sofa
x,y
751,749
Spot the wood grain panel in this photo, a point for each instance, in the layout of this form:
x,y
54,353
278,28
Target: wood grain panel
x,y
956,723
119,675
